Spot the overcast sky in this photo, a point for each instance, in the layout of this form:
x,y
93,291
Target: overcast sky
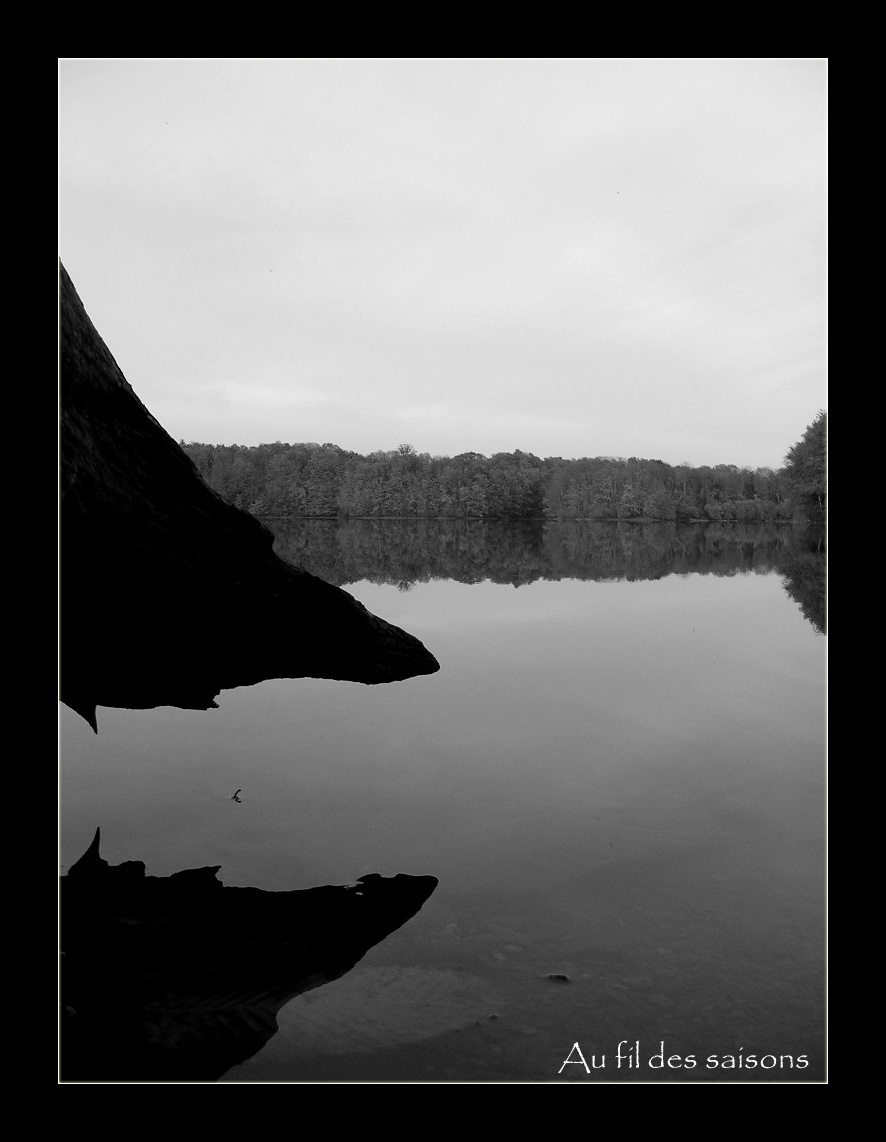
x,y
575,257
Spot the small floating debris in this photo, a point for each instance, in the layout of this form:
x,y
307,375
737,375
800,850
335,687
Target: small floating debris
x,y
559,977
237,797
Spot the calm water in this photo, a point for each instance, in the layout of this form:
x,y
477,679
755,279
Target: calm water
x,y
617,777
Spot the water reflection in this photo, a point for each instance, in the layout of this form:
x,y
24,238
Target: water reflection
x,y
617,779
404,552
805,575
180,978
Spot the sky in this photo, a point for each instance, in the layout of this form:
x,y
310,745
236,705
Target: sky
x,y
569,256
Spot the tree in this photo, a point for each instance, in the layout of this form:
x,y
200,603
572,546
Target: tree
x,y
806,469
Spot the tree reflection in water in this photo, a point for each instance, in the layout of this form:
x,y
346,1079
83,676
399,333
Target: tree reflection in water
x,y
404,552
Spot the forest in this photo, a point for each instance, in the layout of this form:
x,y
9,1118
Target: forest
x,y
323,480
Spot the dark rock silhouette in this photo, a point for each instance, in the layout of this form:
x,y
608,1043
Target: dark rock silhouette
x,y
170,594
180,978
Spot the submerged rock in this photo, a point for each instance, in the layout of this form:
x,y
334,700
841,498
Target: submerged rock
x,y
180,978
169,593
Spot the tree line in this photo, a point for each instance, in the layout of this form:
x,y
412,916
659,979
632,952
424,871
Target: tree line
x,y
324,480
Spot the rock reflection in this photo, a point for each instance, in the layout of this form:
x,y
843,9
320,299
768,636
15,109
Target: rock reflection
x,y
179,978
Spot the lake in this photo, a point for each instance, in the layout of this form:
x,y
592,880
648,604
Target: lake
x,y
617,776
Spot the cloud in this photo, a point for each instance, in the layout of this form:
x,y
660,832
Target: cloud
x,y
585,247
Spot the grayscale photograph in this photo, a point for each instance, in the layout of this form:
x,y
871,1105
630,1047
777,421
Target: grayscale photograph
x,y
442,570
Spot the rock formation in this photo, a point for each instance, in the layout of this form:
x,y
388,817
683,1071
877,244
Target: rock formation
x,y
170,594
180,978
